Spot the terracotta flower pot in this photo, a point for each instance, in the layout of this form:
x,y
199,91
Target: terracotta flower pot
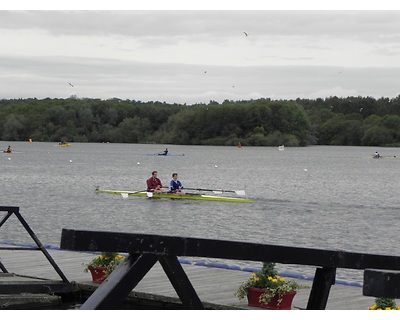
x,y
253,295
98,273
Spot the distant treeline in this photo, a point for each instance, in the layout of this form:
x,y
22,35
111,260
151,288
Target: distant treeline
x,y
263,122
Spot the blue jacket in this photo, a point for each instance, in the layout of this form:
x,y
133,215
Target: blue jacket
x,y
174,185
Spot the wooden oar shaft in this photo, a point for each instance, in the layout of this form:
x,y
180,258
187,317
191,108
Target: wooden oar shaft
x,y
218,190
201,189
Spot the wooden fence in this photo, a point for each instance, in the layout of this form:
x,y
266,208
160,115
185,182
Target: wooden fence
x,y
145,250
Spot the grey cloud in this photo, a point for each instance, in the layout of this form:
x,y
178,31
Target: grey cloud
x,y
207,25
180,83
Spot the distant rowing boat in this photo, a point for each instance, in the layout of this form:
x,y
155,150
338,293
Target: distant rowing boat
x,y
64,144
385,157
187,196
166,155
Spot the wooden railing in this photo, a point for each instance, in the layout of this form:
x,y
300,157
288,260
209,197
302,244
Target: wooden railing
x,y
145,250
31,286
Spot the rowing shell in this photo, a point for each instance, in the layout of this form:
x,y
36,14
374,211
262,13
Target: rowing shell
x,y
386,158
166,155
188,196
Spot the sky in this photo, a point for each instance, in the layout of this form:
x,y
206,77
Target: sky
x,y
182,54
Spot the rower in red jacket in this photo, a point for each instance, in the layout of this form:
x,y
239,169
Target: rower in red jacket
x,y
154,184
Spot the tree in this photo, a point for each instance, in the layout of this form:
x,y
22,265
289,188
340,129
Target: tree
x,y
376,136
13,129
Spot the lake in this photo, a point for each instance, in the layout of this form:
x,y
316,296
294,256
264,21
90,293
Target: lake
x,y
325,197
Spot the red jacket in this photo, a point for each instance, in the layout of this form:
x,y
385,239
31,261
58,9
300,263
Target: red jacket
x,y
153,183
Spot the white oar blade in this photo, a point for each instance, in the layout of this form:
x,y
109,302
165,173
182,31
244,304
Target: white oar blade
x,y
240,192
150,194
124,195
217,191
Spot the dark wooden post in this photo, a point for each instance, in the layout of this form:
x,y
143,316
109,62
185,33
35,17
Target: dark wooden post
x,y
381,283
323,280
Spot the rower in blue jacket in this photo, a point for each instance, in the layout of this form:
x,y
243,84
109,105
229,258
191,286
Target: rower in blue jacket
x,y
175,186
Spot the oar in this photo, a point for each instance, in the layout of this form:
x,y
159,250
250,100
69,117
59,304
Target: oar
x,y
219,191
150,194
126,194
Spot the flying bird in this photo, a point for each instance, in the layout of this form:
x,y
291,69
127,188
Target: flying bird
x,y
71,84
246,34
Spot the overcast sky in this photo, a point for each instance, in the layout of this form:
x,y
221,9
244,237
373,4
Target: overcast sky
x,y
193,56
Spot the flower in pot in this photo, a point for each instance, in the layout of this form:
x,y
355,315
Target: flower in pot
x,y
102,265
266,289
384,304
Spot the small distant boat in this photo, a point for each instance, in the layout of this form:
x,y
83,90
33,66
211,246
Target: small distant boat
x,y
281,148
385,157
166,155
64,144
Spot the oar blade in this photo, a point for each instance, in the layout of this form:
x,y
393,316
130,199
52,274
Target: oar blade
x,y
150,194
124,195
238,192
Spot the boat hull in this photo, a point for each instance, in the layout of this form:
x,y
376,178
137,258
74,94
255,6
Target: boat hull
x,y
166,155
187,196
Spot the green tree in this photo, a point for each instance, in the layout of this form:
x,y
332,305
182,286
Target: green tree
x,y
13,129
376,136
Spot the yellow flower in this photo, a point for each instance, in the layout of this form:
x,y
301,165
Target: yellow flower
x,y
253,275
270,278
274,280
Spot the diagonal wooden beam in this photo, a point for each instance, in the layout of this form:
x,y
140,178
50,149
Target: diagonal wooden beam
x,y
181,282
113,291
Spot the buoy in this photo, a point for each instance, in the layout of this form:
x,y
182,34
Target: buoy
x,y
138,163
70,160
216,166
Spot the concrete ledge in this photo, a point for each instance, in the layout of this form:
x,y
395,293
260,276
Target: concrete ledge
x,y
28,301
148,301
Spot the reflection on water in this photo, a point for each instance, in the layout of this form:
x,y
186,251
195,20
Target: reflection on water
x,y
319,197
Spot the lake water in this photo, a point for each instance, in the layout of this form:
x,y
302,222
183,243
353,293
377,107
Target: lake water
x,y
319,197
